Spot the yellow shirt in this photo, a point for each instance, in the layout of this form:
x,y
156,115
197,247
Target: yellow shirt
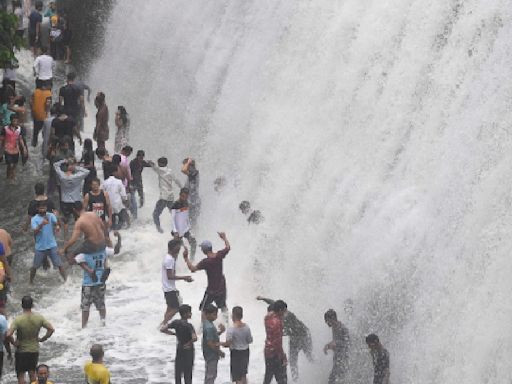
x,y
39,103
96,373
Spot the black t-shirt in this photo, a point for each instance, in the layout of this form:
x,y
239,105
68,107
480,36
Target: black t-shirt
x,y
380,365
32,207
136,167
88,158
71,94
184,331
108,169
34,18
63,127
98,205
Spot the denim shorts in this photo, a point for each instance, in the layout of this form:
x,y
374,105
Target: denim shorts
x,y
51,253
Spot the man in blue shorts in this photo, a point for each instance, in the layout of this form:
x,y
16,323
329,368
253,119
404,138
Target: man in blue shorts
x,y
44,225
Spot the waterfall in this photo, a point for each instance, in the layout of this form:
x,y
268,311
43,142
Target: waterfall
x,y
374,137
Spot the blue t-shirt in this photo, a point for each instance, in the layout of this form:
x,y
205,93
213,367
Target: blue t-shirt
x,y
45,239
34,18
209,334
3,329
94,261
2,250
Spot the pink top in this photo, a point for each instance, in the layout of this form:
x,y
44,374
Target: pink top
x,y
12,137
125,163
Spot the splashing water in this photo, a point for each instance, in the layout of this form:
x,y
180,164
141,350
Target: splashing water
x,y
374,138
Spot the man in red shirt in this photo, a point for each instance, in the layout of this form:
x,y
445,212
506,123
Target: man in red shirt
x,y
212,264
275,358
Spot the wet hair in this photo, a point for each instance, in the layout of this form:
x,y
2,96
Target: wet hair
x,y
210,308
184,309
42,203
184,190
218,183
279,306
116,159
96,352
101,152
71,76
42,366
55,109
100,98
127,148
162,162
39,188
95,179
244,205
88,144
173,243
238,313
39,5
14,116
123,114
140,152
372,338
255,217
78,206
66,140
54,140
27,302
330,314
21,101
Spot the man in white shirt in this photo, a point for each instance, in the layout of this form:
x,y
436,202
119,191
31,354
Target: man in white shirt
x,y
169,281
117,194
43,69
165,184
181,226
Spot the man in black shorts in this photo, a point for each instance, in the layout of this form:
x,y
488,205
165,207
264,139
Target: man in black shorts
x,y
71,99
169,280
34,27
186,336
27,327
212,264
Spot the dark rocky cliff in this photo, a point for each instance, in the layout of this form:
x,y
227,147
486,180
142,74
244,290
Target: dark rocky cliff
x,y
88,20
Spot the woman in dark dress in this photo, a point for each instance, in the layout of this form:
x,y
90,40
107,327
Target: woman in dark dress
x,y
87,161
67,35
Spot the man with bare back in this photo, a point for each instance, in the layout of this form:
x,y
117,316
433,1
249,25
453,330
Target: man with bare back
x,y
91,226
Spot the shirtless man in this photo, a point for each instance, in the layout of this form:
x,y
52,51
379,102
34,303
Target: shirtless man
x,y
91,226
6,258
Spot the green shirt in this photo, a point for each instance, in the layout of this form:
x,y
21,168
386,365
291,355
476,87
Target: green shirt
x,y
209,334
6,114
27,327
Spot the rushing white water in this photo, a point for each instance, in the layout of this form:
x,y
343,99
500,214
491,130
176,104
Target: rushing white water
x,y
373,135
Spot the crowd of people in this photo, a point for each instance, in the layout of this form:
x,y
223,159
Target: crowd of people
x,y
76,208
